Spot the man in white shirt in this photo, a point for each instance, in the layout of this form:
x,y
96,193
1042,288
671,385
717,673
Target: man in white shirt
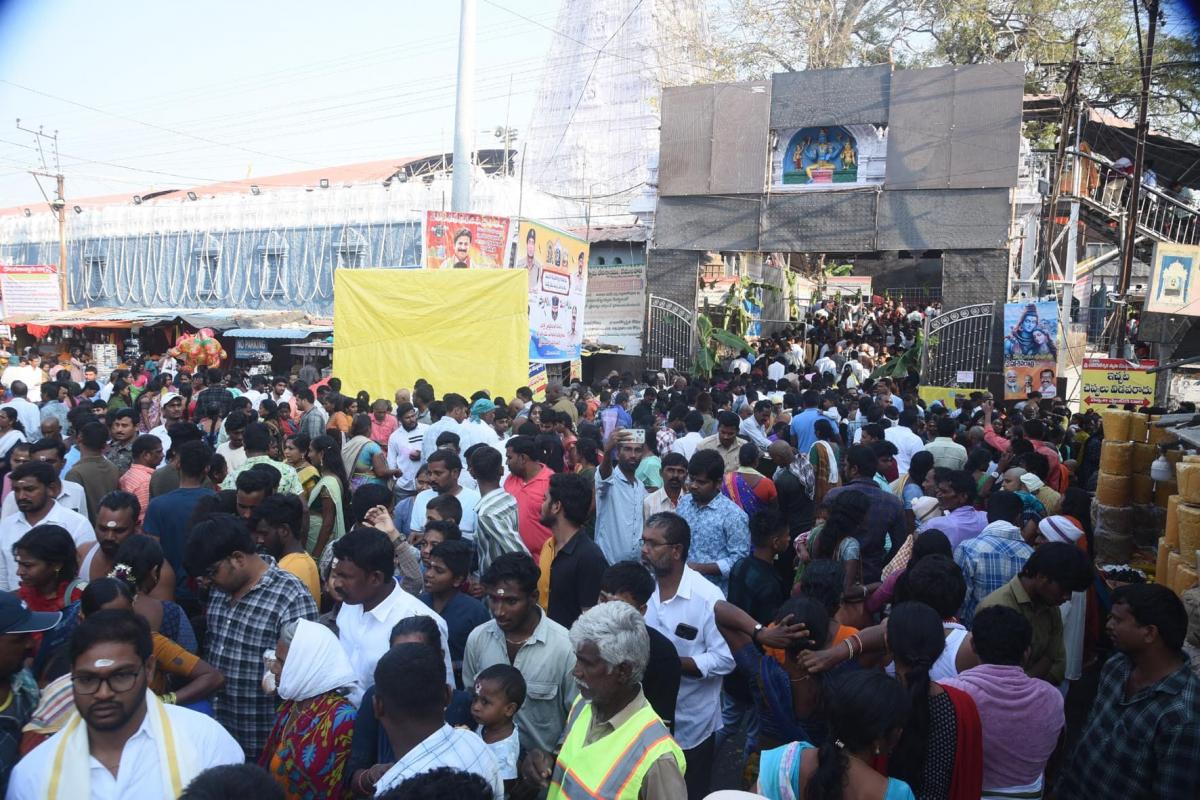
x,y
454,411
279,391
28,413
36,484
372,601
233,449
755,427
686,445
404,450
741,364
824,365
907,443
776,369
257,392
171,404
445,472
71,496
124,742
681,609
411,710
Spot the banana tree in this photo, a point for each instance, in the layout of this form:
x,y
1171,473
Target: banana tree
x,y
898,367
709,341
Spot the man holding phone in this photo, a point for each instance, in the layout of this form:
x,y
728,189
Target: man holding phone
x,y
681,609
619,495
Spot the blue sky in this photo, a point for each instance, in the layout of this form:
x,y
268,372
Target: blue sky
x,y
218,90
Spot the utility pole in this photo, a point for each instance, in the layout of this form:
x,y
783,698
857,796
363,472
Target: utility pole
x,y
1146,56
464,110
1075,111
58,205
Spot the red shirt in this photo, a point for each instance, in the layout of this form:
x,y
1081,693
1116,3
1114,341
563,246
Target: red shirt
x,y
380,431
529,496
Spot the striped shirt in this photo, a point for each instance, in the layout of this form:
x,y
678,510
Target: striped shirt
x,y
446,747
496,528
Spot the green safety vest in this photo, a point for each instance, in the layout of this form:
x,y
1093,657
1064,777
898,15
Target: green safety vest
x,y
612,767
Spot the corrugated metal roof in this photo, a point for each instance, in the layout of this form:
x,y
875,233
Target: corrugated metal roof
x,y
222,319
275,333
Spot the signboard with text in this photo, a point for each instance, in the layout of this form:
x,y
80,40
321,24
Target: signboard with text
x,y
1030,349
616,306
29,290
1115,382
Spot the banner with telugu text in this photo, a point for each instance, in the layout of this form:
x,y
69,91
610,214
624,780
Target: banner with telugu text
x,y
29,290
616,306
555,264
1115,382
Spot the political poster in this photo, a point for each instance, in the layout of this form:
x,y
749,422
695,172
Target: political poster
x,y
555,263
538,381
1175,280
616,306
1116,382
29,290
464,241
1030,349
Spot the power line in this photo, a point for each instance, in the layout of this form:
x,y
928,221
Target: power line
x,y
151,124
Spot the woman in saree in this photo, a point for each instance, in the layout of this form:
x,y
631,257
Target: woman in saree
x,y
824,456
364,459
309,744
295,454
747,487
326,520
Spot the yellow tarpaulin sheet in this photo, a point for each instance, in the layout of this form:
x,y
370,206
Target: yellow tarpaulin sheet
x,y
461,330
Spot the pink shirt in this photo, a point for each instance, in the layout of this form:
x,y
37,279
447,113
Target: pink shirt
x,y
529,496
136,481
380,431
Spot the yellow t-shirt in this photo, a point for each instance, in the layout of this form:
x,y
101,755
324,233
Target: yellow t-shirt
x,y
303,567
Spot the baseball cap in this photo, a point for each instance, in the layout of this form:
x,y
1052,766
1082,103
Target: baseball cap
x,y
168,397
15,616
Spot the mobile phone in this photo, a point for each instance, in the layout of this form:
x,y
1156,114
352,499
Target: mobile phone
x,y
685,631
637,435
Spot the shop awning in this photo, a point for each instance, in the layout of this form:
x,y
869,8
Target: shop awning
x,y
275,333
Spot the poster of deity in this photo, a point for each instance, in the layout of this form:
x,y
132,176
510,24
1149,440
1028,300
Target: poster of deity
x,y
825,155
1030,349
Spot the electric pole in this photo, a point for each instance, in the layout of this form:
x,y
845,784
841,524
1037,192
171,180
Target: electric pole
x,y
1146,56
464,110
59,204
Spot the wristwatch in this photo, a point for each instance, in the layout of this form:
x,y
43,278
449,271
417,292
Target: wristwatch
x,y
757,630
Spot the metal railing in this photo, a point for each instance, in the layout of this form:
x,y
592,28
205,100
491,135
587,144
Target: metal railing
x,y
1160,215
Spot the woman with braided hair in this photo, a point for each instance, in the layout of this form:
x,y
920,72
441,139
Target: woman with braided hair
x,y
940,754
867,710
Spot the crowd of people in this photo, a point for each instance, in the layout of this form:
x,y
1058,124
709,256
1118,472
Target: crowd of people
x,y
217,584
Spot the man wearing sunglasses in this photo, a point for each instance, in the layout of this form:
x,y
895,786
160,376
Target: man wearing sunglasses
x,y
124,742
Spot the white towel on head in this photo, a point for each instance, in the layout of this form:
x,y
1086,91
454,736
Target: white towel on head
x,y
316,664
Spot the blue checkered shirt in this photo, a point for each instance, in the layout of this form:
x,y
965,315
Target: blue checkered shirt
x,y
988,561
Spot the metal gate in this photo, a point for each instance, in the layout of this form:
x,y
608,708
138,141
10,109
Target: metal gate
x,y
959,340
670,333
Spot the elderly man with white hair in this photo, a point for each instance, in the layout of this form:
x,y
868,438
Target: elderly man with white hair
x,y
629,751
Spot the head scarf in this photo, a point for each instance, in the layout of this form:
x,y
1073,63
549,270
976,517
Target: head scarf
x,y
1032,482
482,406
316,664
1059,529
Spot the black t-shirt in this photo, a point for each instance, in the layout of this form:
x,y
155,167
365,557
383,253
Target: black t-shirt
x,y
660,684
